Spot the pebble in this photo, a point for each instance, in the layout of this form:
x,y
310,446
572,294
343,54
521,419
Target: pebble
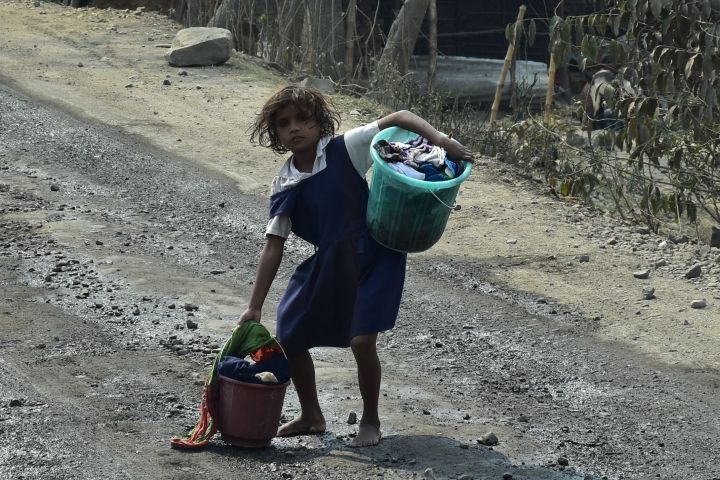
x,y
679,239
489,439
191,324
584,258
429,474
563,462
694,272
507,476
641,274
190,307
54,188
697,304
167,82
648,292
661,263
183,73
80,64
352,418
511,241
16,402
465,476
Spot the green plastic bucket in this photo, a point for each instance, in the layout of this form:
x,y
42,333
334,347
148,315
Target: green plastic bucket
x,y
403,213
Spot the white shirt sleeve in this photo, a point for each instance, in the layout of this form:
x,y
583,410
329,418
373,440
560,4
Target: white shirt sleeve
x,y
357,143
279,225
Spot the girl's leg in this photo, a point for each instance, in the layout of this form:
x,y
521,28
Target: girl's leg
x,y
369,374
311,420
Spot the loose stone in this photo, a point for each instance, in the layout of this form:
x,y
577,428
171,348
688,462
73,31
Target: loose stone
x,y
648,292
641,274
489,439
694,272
698,304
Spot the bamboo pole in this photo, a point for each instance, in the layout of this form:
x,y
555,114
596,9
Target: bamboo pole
x,y
550,88
508,60
350,39
433,50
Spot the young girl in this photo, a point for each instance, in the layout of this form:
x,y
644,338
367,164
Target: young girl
x,y
350,288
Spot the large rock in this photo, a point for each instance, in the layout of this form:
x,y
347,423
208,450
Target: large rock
x,y
200,46
709,233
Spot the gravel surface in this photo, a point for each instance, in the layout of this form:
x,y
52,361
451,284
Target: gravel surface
x,y
111,249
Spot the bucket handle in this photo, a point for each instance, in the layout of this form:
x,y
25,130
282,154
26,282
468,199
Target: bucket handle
x,y
454,206
281,347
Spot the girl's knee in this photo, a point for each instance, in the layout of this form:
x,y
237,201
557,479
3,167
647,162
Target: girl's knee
x,y
363,344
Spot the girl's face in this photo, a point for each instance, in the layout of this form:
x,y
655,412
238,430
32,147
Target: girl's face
x,y
297,130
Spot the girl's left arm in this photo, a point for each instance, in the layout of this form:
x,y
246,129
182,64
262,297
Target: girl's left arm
x,y
409,121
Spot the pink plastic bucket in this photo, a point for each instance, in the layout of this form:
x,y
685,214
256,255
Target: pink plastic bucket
x,y
248,414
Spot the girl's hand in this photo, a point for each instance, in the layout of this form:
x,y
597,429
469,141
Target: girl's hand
x,y
250,314
457,151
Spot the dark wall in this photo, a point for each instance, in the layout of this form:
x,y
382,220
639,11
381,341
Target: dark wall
x,y
476,28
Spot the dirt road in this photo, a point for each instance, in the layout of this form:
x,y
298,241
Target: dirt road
x,y
109,226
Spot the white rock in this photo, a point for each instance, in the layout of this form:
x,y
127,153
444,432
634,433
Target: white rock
x,y
323,85
200,46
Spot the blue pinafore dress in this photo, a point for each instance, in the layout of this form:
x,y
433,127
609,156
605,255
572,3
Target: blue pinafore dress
x,y
351,285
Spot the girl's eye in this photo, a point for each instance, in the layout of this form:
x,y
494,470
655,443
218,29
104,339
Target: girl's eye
x,y
283,123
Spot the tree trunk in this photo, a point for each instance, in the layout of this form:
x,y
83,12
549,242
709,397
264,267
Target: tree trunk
x,y
350,39
403,35
291,18
509,58
550,89
326,38
433,50
234,15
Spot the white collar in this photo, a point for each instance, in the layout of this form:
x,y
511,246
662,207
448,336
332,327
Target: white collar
x,y
319,164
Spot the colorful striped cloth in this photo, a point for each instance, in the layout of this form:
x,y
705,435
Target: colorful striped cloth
x,y
245,340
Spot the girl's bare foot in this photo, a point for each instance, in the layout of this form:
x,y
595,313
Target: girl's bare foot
x,y
302,426
368,435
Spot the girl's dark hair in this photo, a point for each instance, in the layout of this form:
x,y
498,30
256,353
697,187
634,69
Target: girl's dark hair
x,y
311,101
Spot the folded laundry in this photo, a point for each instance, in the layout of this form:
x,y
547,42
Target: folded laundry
x,y
418,158
245,371
407,170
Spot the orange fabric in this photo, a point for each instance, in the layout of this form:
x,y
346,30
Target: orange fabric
x,y
263,353
206,426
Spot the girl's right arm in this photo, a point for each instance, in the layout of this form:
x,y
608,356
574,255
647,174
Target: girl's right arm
x,y
267,268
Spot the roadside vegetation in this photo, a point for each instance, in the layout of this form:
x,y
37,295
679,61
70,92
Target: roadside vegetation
x,y
642,141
